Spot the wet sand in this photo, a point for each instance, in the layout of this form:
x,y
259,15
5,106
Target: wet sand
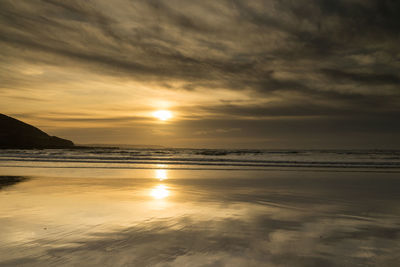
x,y
164,217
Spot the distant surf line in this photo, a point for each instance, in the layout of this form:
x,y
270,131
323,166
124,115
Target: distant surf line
x,y
290,169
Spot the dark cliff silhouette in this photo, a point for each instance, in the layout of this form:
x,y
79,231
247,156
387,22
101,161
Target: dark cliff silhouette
x,y
17,134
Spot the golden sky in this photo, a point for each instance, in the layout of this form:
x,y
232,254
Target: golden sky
x,y
233,73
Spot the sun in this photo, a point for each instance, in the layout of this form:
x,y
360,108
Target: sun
x,y
162,115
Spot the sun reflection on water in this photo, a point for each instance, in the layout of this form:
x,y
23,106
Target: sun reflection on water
x,y
161,174
160,192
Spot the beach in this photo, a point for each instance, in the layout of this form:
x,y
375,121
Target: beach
x,y
200,133
56,211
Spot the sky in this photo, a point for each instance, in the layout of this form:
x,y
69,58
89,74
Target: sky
x,y
242,74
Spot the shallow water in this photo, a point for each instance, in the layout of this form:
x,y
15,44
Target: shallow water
x,y
178,217
202,159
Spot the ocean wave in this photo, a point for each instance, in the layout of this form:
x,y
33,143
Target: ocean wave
x,y
211,157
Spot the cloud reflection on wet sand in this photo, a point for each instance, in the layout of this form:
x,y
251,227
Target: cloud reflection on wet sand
x,y
315,220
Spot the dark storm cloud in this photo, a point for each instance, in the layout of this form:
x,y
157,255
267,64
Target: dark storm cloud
x,y
362,78
85,31
322,57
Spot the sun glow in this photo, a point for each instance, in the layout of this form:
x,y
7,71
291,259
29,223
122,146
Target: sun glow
x,y
160,192
162,115
161,174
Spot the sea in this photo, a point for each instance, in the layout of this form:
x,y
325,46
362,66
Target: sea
x,y
183,158
99,206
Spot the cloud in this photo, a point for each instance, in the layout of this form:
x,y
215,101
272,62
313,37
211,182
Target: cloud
x,y
321,57
362,78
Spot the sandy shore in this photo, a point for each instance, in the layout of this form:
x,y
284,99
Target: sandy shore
x,y
199,218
